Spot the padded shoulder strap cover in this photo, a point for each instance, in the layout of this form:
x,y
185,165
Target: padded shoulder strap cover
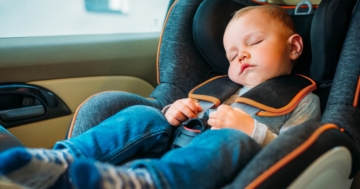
x,y
275,96
215,90
279,95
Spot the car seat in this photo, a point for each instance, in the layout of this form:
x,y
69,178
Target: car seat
x,y
312,155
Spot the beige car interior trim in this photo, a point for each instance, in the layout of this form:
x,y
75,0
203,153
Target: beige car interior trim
x,y
73,91
42,134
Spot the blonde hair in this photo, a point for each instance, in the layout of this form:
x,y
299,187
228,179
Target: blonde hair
x,y
274,12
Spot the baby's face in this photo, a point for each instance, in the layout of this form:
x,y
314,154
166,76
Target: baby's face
x,y
256,49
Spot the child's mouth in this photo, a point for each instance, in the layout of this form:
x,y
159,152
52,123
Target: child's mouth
x,y
244,66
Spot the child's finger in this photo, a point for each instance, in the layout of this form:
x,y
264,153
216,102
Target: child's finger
x,y
190,104
218,114
213,115
177,114
240,110
224,107
216,123
186,111
199,108
172,120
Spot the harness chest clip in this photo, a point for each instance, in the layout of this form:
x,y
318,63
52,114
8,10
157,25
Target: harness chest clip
x,y
188,131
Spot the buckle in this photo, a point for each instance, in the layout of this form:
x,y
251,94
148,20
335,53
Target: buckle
x,y
188,131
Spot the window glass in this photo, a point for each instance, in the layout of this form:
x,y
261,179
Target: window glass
x,y
23,18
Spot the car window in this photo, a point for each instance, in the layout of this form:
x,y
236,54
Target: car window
x,y
24,18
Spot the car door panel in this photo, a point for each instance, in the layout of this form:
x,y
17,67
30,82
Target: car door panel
x,y
74,68
42,134
73,91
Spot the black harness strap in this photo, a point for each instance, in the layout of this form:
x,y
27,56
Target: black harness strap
x,y
290,89
278,96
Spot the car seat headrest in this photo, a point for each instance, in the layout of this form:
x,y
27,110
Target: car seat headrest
x,y
209,26
210,23
328,32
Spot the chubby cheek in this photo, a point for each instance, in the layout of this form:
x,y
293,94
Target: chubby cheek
x,y
254,79
234,71
270,67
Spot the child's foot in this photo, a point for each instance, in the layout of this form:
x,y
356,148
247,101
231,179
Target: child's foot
x,y
95,175
34,168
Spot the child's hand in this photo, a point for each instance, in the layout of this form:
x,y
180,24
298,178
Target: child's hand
x,y
182,110
235,118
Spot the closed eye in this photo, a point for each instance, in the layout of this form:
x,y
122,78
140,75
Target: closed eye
x,y
233,58
257,42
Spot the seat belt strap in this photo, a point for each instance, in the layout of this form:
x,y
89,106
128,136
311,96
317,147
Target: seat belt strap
x,y
251,110
205,105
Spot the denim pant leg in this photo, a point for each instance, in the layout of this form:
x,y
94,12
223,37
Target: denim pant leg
x,y
135,131
211,160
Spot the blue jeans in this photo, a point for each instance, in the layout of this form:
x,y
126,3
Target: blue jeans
x,y
211,160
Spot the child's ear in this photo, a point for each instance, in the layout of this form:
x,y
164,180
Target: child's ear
x,y
296,46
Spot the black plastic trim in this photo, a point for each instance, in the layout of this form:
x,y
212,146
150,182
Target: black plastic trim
x,y
54,106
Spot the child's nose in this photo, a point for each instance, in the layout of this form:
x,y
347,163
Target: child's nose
x,y
244,56
242,59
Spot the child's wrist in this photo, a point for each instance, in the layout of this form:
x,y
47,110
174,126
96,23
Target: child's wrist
x,y
250,127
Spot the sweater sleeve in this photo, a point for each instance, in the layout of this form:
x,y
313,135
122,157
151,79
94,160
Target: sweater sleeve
x,y
307,109
261,134
165,108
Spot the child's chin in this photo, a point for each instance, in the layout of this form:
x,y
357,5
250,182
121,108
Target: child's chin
x,y
237,80
251,82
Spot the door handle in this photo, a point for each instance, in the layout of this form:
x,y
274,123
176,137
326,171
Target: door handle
x,y
22,113
22,104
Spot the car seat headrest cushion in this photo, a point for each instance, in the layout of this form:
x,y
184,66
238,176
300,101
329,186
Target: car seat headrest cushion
x,y
209,25
328,32
323,34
